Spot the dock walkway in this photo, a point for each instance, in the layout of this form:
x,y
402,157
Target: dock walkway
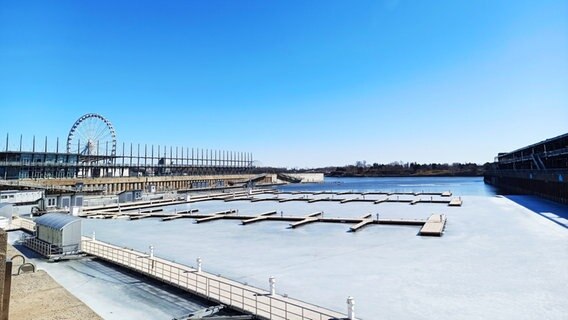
x,y
434,226
212,287
295,221
342,200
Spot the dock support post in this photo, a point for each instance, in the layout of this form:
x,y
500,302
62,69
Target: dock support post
x,y
199,261
151,252
350,308
272,283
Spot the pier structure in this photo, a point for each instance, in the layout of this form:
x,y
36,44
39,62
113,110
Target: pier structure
x,y
540,169
156,209
92,160
433,226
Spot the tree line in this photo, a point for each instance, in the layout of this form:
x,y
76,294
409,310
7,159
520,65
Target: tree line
x,y
398,168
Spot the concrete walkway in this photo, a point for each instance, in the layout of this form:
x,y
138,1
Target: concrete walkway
x,y
38,296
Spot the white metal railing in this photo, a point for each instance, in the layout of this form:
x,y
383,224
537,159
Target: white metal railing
x,y
26,224
42,247
221,290
21,223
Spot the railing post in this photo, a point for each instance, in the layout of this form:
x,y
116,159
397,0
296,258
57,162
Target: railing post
x,y
350,308
199,261
272,282
151,252
93,237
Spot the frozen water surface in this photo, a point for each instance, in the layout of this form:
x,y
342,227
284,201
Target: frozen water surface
x,y
497,259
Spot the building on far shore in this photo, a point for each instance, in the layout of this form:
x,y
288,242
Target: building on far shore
x,y
540,169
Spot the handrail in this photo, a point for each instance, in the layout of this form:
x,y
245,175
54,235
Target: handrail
x,y
239,296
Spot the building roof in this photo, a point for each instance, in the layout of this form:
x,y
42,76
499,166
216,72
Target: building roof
x,y
56,220
560,137
18,191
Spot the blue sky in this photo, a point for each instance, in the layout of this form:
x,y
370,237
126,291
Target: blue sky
x,y
297,83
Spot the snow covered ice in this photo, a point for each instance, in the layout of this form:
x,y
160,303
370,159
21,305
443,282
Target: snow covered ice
x,y
496,260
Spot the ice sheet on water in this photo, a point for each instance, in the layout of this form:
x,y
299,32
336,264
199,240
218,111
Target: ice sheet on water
x,y
496,259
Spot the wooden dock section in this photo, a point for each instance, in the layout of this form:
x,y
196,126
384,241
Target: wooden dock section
x,y
431,200
434,226
325,199
238,199
141,216
357,200
455,202
378,193
265,199
260,217
366,220
293,199
308,219
215,216
215,288
381,200
179,215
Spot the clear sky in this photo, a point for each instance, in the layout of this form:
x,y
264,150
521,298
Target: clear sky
x,y
297,83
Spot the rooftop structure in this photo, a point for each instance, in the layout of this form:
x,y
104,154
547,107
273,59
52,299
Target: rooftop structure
x,y
548,154
56,233
540,169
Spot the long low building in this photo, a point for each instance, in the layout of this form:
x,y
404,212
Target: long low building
x,y
138,167
540,169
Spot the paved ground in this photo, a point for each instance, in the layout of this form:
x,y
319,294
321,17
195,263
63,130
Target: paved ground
x,y
38,296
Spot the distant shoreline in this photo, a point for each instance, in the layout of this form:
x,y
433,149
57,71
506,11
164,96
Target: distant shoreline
x,y
446,175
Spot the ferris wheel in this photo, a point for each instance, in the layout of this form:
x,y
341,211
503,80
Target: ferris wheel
x,y
92,134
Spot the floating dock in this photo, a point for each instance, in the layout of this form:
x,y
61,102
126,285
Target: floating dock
x,y
398,199
295,221
434,226
109,211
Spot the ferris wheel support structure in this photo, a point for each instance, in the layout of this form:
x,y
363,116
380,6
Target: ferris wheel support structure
x,y
89,134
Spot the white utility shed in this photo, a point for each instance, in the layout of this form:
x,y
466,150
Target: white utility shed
x,y
60,230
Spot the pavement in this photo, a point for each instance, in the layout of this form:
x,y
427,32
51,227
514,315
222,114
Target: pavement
x,y
37,296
